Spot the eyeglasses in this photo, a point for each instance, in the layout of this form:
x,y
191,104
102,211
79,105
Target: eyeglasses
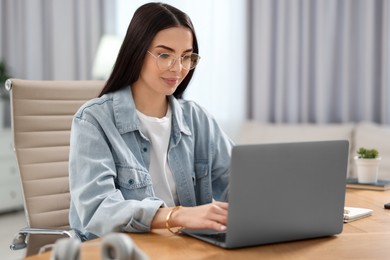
x,y
166,61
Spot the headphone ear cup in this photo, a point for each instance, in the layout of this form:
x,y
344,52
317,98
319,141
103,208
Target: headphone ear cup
x,y
66,249
119,246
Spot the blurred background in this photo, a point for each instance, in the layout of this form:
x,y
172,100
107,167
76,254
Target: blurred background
x,y
279,61
269,61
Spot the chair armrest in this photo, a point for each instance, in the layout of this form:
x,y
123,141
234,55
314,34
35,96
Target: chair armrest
x,y
20,238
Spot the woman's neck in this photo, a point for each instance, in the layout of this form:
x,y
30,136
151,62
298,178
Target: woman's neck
x,y
149,104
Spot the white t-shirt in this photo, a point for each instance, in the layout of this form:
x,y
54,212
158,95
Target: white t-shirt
x,y
158,131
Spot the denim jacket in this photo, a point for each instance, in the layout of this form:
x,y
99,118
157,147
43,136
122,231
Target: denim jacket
x,y
111,188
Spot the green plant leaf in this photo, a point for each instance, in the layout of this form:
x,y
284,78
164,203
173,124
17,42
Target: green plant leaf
x,y
367,153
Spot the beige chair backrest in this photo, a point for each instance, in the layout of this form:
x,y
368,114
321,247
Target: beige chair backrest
x,y
41,114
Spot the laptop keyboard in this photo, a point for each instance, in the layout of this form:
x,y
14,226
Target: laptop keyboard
x,y
220,237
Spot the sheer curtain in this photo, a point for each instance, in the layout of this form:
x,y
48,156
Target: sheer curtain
x,y
42,39
324,61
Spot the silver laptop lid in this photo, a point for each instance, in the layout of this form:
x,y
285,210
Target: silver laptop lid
x,y
286,191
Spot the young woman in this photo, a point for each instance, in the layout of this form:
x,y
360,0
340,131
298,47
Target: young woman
x,y
141,157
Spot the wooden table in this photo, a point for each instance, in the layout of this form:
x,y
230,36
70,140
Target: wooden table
x,y
367,238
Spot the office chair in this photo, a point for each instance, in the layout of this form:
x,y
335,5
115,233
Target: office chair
x,y
41,116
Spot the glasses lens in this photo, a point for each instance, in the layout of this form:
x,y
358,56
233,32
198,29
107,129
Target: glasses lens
x,y
167,60
190,61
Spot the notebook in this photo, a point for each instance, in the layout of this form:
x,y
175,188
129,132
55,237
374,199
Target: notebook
x,y
353,183
283,192
352,213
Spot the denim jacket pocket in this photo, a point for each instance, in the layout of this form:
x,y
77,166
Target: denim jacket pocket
x,y
134,183
200,172
202,183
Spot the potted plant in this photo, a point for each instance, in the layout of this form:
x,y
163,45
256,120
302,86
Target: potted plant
x,y
367,165
4,96
3,77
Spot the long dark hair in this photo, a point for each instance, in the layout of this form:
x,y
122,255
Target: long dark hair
x,y
147,21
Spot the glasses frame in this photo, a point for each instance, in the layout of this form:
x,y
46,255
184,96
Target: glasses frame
x,y
174,60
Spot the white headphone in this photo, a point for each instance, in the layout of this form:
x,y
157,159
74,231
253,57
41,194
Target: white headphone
x,y
116,246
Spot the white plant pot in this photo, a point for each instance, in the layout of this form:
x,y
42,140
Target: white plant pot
x,y
367,169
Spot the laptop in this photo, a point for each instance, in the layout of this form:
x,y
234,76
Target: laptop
x,y
283,192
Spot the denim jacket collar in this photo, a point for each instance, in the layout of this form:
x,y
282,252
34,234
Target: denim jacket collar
x,y
126,118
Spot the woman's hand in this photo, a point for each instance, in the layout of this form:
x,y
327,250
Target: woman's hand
x,y
208,216
213,216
